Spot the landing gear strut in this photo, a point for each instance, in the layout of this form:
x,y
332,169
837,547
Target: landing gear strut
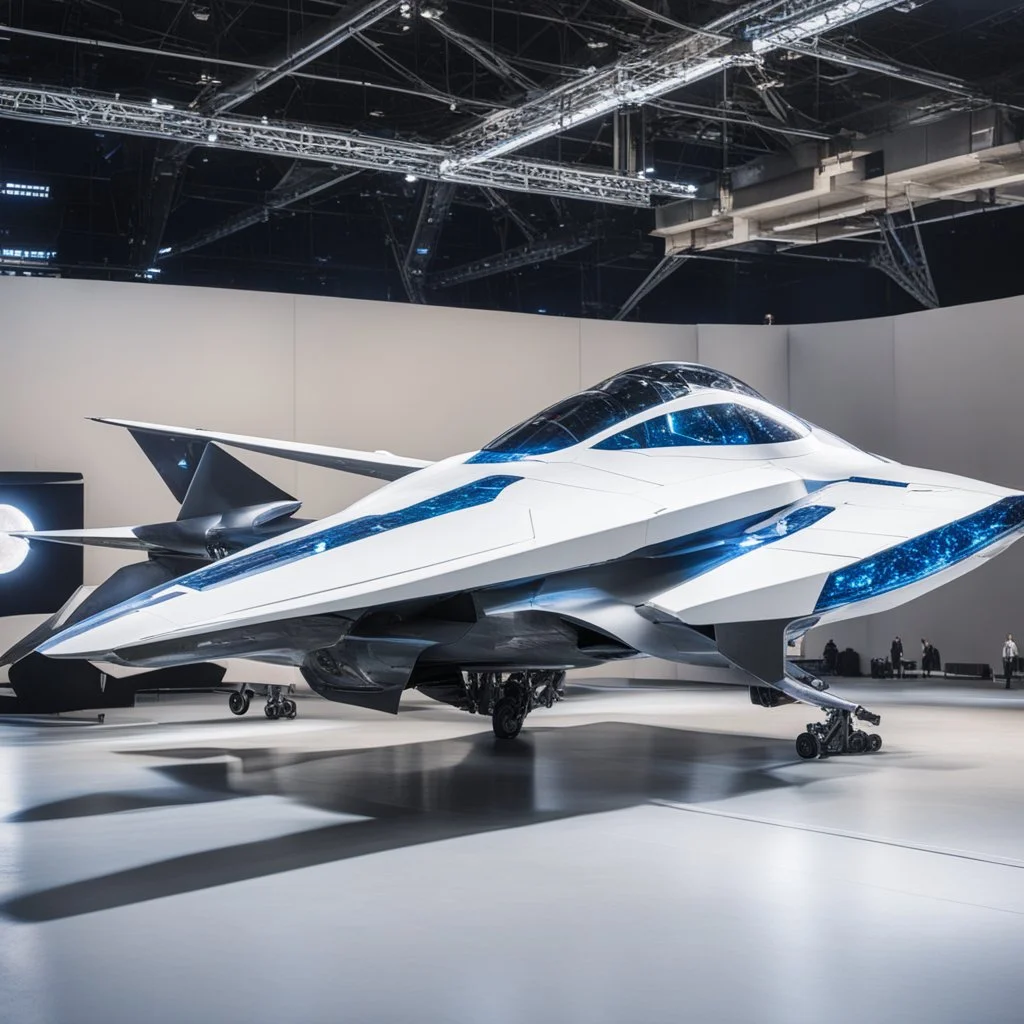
x,y
837,735
508,699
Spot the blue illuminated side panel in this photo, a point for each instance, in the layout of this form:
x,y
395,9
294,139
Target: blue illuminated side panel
x,y
876,483
701,552
917,559
480,492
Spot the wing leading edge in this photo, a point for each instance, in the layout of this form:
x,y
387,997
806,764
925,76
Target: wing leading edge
x,y
380,465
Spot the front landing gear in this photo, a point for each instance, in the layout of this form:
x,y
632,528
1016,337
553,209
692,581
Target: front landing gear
x,y
837,735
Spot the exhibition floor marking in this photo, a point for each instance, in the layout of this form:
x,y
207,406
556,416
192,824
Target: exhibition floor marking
x,y
939,851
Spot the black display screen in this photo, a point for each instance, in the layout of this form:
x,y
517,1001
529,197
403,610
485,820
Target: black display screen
x,y
41,579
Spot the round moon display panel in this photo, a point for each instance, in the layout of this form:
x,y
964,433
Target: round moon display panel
x,y
13,550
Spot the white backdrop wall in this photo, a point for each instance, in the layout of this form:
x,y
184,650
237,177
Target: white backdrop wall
x,y
938,389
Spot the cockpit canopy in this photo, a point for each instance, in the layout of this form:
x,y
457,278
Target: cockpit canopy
x,y
617,399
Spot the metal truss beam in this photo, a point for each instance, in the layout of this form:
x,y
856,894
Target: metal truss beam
x,y
499,202
169,160
666,267
437,200
745,35
300,51
482,54
547,247
68,108
832,54
292,189
739,117
903,259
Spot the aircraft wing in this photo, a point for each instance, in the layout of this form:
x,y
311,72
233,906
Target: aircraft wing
x,y
380,465
108,537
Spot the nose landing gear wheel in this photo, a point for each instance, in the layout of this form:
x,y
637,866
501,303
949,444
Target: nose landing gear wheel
x,y
807,746
272,711
289,709
238,703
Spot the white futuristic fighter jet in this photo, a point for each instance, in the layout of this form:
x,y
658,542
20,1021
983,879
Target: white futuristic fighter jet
x,y
670,511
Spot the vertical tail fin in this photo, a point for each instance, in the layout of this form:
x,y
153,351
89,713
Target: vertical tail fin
x,y
222,484
175,459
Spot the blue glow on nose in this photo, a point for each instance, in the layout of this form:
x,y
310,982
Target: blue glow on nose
x,y
917,559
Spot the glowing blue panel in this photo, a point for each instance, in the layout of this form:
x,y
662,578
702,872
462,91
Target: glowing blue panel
x,y
486,457
722,424
480,492
917,559
876,483
701,552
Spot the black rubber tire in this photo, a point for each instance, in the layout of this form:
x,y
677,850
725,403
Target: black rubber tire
x,y
237,704
858,743
289,709
874,743
272,711
807,746
507,721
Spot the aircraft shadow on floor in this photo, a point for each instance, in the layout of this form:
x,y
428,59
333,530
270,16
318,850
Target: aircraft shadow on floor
x,y
413,794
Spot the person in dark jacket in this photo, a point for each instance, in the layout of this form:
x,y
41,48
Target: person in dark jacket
x,y
896,656
831,657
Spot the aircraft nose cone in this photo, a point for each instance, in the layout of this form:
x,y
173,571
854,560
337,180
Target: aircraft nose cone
x,y
100,640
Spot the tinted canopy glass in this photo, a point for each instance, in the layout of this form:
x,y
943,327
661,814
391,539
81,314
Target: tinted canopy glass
x,y
620,397
722,424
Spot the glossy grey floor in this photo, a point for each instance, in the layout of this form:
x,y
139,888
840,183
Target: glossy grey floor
x,y
637,855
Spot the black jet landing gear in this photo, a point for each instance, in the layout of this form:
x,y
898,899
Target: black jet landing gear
x,y
508,699
238,702
837,735
278,706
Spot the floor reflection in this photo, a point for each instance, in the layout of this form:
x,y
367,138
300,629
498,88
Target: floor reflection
x,y
412,794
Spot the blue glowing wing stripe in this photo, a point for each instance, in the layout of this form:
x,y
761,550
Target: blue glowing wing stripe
x,y
480,492
917,559
875,483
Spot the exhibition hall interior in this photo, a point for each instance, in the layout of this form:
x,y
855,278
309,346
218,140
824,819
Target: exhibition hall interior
x,y
508,511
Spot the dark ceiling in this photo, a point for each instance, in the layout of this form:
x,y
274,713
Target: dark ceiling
x,y
117,200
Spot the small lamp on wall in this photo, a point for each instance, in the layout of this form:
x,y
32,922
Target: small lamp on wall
x,y
769,320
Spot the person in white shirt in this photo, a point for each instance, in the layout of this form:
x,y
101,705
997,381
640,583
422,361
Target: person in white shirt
x,y
1009,657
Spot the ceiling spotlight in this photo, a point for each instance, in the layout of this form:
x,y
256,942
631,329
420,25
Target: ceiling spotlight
x,y
212,137
650,170
411,178
597,44
432,12
201,12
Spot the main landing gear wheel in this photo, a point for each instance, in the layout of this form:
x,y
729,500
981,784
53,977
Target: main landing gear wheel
x,y
289,709
272,711
507,720
874,743
238,703
807,746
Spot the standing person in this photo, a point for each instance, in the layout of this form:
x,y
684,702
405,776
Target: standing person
x,y
896,654
831,657
1009,657
927,657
